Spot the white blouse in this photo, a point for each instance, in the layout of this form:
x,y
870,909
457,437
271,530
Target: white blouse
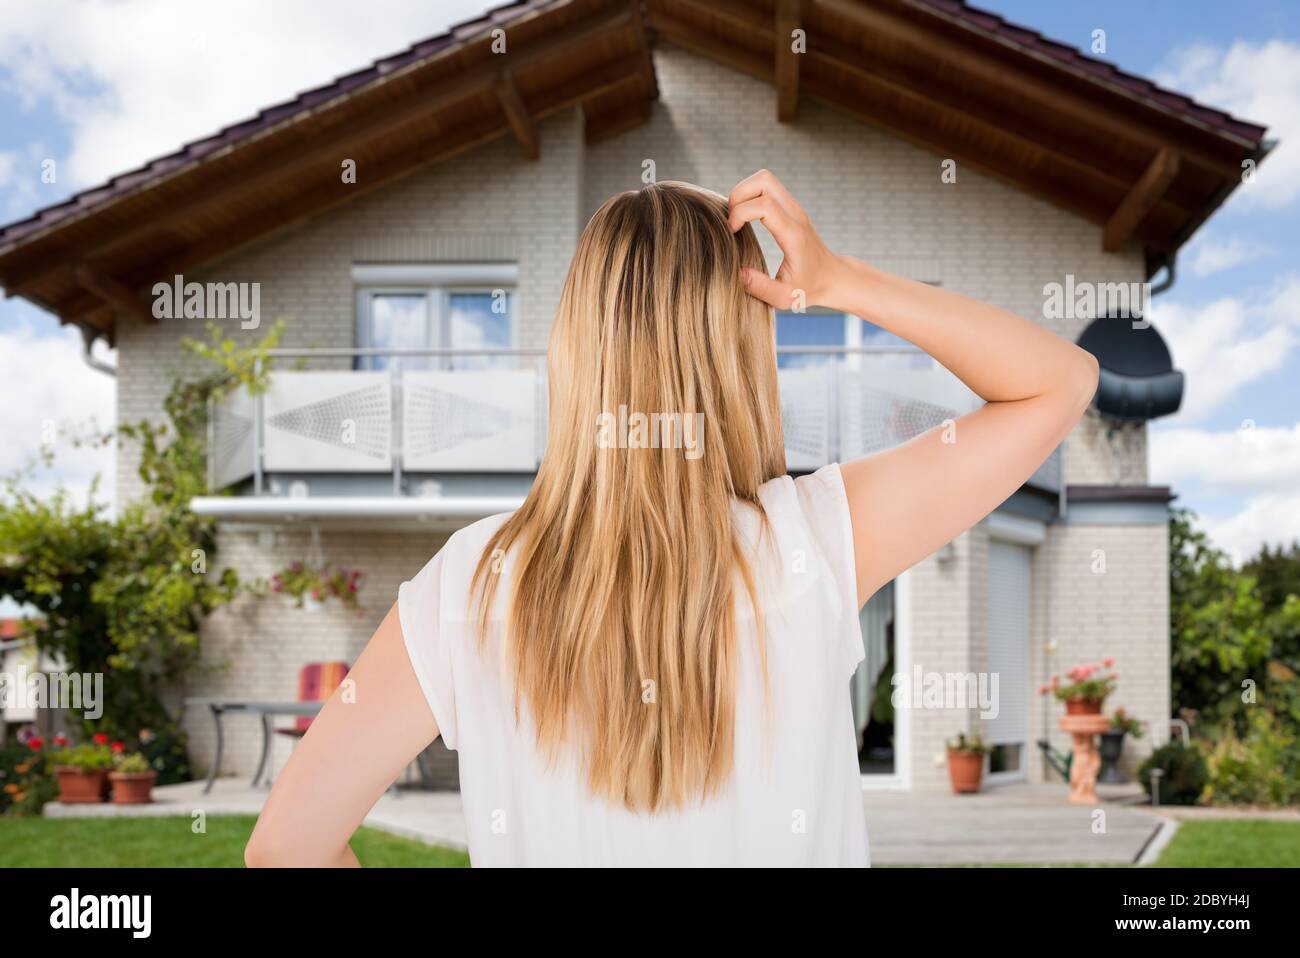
x,y
795,795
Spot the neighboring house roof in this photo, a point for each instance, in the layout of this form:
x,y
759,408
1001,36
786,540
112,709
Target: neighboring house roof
x,y
11,628
1142,162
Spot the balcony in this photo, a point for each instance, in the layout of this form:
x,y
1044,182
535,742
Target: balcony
x,y
456,434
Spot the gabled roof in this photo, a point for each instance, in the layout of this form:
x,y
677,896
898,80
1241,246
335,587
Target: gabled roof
x,y
1141,161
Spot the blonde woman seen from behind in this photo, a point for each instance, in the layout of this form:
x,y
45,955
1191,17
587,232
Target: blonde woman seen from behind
x,y
647,663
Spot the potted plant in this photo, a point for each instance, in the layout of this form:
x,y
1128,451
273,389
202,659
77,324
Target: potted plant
x,y
132,779
966,763
1112,744
311,587
1085,689
82,771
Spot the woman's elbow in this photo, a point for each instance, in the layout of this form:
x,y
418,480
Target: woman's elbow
x,y
1082,382
269,847
260,852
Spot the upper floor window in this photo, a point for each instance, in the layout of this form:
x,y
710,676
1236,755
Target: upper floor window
x,y
822,328
453,306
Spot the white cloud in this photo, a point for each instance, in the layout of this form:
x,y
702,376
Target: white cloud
x,y
1226,343
1254,459
1259,82
1208,255
1273,519
1255,468
134,79
56,396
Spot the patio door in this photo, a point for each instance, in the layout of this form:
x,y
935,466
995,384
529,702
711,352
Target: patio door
x,y
1009,569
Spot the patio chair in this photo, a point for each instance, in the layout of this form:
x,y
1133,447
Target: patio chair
x,y
316,682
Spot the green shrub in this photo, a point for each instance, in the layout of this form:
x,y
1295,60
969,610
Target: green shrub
x,y
25,781
131,763
90,757
1263,768
1185,774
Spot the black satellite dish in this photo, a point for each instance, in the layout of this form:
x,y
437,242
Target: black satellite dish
x,y
1138,380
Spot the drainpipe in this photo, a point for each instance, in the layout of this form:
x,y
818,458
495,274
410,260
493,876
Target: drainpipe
x,y
88,336
1171,274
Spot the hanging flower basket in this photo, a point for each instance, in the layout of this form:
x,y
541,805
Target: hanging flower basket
x,y
311,587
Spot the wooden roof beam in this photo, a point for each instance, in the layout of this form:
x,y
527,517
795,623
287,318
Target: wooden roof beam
x,y
308,200
788,20
1141,200
521,124
114,293
1013,82
294,160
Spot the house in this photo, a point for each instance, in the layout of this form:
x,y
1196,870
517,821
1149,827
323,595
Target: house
x,y
413,221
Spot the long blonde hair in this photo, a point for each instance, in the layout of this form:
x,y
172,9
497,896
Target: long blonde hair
x,y
621,626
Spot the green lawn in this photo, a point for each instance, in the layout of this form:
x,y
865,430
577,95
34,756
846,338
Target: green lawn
x,y
1233,844
170,843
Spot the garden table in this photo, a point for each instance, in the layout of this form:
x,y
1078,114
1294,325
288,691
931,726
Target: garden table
x,y
267,710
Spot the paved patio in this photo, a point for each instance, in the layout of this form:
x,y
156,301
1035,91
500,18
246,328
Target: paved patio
x,y
1009,824
1020,824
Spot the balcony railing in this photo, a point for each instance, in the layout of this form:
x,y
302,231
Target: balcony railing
x,y
380,421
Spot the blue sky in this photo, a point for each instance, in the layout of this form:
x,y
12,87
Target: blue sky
x,y
179,69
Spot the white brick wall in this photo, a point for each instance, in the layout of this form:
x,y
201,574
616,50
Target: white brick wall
x,y
871,195
1122,613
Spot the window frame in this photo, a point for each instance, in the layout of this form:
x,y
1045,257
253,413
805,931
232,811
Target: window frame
x,y
437,283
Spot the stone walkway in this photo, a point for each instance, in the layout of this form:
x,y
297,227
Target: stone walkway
x,y
1011,824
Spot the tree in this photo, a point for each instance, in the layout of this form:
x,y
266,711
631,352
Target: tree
x,y
1229,646
126,597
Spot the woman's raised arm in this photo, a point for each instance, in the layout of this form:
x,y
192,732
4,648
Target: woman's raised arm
x,y
908,501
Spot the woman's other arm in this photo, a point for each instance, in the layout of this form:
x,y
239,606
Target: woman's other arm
x,y
367,732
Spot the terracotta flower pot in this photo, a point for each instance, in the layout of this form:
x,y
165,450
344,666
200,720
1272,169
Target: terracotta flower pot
x,y
1083,707
79,786
132,788
965,770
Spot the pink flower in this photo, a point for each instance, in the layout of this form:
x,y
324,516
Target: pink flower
x,y
1107,662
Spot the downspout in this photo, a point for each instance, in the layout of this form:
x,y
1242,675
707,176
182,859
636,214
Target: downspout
x,y
1170,262
88,336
